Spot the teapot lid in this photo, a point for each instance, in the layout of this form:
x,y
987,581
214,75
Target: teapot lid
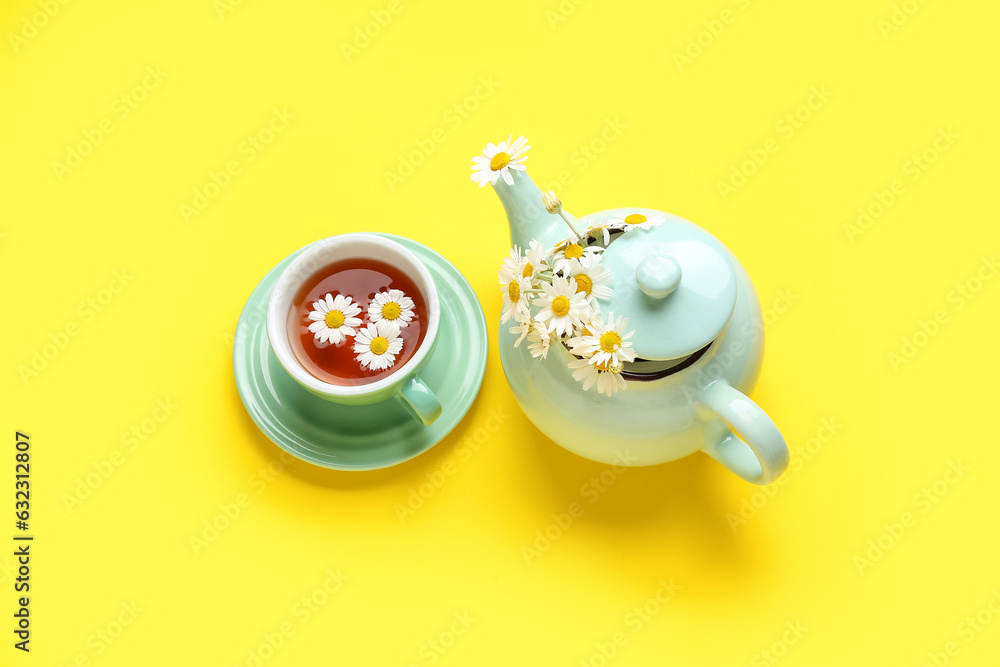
x,y
675,283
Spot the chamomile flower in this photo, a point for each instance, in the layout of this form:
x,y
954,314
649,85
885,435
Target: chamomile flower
x,y
631,221
570,249
392,305
514,289
514,263
576,337
606,343
333,319
377,345
535,260
592,278
603,232
562,307
608,377
551,202
539,342
497,161
522,329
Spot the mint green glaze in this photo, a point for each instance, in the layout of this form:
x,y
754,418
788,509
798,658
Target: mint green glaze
x,y
699,408
364,437
528,218
420,400
698,305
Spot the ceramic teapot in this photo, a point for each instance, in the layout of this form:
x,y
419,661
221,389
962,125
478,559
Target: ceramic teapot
x,y
697,345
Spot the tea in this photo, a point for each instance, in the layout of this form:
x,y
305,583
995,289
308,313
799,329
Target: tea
x,y
356,321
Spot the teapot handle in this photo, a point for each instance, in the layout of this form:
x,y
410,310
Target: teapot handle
x,y
760,455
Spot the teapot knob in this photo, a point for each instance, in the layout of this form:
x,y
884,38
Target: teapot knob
x,y
658,275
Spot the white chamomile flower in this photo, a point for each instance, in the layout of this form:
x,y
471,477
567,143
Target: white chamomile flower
x,y
513,262
392,305
562,307
592,278
333,318
576,337
514,288
603,232
631,221
522,329
535,260
606,343
539,342
378,344
608,378
497,161
570,249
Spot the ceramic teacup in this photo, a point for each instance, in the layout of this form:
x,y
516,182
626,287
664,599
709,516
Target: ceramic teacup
x,y
404,384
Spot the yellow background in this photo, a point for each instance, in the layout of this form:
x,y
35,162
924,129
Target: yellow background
x,y
564,71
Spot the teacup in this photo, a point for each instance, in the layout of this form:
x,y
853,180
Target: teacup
x,y
404,383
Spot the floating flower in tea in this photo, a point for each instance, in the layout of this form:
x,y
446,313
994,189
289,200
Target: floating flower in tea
x,y
393,306
378,344
333,318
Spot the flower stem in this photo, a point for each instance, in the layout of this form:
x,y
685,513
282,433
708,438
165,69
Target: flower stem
x,y
567,219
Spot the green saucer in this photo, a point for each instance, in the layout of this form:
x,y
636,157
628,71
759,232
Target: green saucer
x,y
363,437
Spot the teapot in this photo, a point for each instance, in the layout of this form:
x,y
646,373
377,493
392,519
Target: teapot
x,y
696,349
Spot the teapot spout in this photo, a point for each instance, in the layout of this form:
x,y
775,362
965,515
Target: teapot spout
x,y
526,213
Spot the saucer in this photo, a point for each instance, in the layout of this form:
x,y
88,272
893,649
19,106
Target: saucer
x,y
363,437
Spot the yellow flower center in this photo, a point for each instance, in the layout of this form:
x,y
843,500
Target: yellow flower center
x,y
499,161
610,341
528,270
635,219
390,311
379,345
583,283
560,306
334,319
513,291
573,251
603,367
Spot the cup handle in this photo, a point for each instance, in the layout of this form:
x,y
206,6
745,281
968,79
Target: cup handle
x,y
420,401
763,454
